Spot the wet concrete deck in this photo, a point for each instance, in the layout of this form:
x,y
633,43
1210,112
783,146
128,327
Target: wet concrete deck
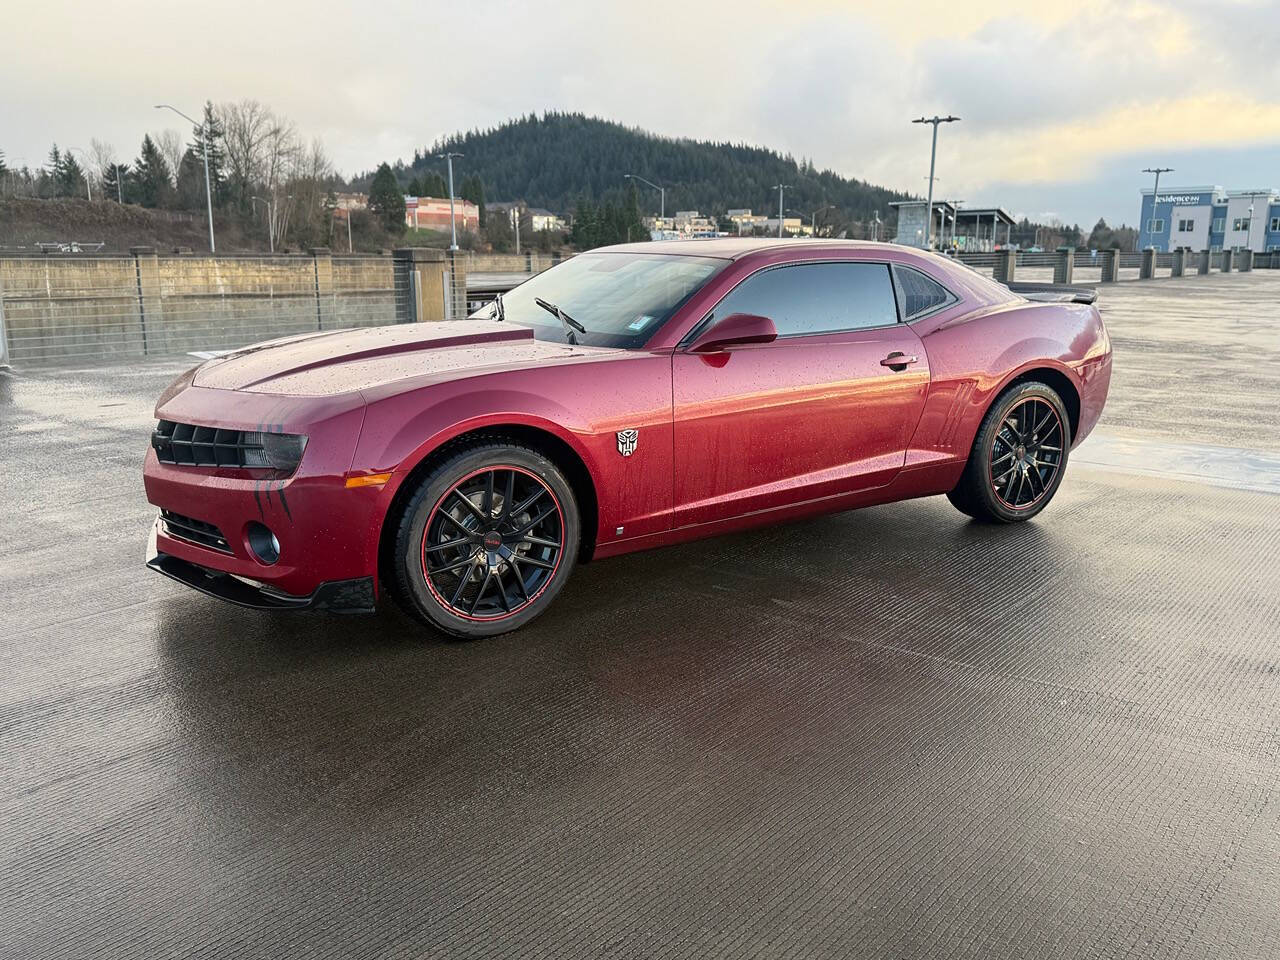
x,y
889,733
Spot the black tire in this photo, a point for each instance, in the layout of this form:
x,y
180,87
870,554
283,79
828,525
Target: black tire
x,y
472,577
1009,440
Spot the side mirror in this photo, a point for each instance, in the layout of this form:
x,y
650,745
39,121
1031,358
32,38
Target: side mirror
x,y
734,331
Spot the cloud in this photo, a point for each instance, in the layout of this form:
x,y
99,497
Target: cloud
x,y
1048,92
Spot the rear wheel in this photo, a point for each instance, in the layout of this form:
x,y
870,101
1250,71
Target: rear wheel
x,y
1018,457
486,541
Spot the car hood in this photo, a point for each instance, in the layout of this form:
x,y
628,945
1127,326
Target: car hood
x,y
345,361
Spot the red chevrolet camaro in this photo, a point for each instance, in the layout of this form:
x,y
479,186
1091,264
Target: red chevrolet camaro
x,y
631,397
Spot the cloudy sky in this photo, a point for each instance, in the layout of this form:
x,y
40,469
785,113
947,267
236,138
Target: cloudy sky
x,y
1062,104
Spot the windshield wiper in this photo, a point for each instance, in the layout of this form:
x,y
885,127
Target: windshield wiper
x,y
566,321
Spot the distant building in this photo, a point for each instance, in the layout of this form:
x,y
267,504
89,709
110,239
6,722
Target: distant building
x,y
685,225
539,219
791,226
545,219
351,201
1210,218
432,213
745,222
980,229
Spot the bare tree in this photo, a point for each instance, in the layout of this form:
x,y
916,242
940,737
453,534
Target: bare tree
x,y
102,157
246,125
172,149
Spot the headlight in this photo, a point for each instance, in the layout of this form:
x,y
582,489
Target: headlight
x,y
277,451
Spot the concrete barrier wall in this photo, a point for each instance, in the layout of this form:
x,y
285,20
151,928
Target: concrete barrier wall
x,y
87,309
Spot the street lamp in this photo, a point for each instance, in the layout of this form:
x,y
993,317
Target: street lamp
x,y
780,187
208,192
453,219
933,155
87,188
662,193
1155,195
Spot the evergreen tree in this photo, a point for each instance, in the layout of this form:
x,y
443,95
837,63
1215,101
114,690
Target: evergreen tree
x,y
115,181
634,229
4,169
585,233
151,175
473,190
386,200
70,177
52,180
217,155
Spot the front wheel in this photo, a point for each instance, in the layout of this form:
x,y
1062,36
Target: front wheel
x,y
486,541
1018,457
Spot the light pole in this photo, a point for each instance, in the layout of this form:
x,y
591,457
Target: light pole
x,y
662,193
87,189
813,218
933,156
208,192
1155,195
780,187
875,234
453,220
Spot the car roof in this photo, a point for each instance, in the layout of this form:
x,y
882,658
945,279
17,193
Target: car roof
x,y
731,248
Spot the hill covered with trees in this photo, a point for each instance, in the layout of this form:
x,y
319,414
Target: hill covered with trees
x,y
559,159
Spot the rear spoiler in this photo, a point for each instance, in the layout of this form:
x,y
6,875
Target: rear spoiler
x,y
1054,292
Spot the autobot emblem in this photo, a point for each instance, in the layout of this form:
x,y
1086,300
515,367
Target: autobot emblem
x,y
627,441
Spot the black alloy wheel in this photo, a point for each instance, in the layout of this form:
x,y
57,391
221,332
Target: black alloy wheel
x,y
1018,457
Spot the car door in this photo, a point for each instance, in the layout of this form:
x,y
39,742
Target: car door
x,y
818,412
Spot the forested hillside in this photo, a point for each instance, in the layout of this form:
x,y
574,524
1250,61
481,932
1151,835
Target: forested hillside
x,y
554,160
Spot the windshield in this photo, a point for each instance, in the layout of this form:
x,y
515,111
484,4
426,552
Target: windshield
x,y
620,299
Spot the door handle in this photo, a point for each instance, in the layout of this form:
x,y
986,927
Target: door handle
x,y
898,360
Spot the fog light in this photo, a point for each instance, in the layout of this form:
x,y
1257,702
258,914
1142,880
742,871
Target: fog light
x,y
264,544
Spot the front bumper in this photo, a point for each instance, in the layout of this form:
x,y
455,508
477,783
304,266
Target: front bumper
x,y
337,596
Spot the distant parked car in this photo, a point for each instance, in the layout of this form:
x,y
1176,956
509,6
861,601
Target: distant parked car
x,y
631,397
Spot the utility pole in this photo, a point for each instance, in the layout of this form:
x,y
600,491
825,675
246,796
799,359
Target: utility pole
x,y
208,192
1155,195
349,247
515,219
662,193
119,186
933,156
453,220
875,229
780,187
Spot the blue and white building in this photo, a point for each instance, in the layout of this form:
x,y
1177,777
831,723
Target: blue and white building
x,y
1210,218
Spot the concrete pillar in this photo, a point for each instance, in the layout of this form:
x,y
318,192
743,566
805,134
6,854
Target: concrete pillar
x,y
1179,262
419,277
1226,261
146,271
1064,265
322,261
1148,268
1006,263
1204,262
1110,265
1246,261
456,267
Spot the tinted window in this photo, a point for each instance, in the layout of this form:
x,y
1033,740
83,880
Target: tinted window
x,y
919,293
621,298
816,297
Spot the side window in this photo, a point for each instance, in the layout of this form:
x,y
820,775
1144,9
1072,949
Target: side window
x,y
810,298
919,294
